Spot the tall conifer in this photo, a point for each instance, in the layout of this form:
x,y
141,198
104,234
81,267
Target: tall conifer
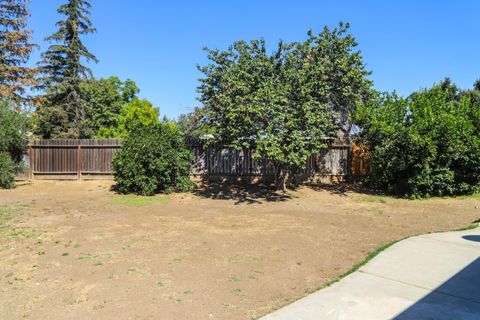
x,y
15,50
63,69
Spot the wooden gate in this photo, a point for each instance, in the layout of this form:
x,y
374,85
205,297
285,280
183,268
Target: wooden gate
x,y
360,166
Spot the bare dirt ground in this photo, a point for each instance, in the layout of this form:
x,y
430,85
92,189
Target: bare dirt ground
x,y
76,250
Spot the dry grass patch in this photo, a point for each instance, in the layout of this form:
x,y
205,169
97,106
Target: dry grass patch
x,y
78,250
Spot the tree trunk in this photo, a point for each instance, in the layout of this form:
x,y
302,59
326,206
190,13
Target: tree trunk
x,y
281,178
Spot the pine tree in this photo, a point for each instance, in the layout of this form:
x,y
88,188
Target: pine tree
x,y
63,69
15,50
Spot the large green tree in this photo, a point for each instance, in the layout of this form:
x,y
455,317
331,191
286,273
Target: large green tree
x,y
268,102
286,104
63,112
15,50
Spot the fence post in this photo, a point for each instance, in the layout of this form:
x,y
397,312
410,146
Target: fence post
x,y
79,162
349,162
31,160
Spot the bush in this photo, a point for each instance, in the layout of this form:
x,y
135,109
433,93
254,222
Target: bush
x,y
153,159
7,171
13,128
426,145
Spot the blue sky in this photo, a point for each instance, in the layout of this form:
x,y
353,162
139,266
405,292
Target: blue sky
x,y
407,44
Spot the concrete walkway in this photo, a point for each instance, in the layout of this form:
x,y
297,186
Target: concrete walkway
x,y
435,276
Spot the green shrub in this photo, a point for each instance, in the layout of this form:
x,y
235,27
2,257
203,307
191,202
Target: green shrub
x,y
153,159
7,171
422,146
13,128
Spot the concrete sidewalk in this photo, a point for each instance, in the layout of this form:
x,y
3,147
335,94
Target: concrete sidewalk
x,y
435,276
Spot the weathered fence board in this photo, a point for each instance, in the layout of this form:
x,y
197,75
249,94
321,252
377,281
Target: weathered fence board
x,y
69,158
77,159
228,162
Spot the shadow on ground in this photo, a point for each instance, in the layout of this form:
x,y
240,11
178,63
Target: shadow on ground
x,y
342,188
255,193
474,238
241,192
457,298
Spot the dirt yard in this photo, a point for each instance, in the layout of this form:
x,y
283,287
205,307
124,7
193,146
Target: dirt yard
x,y
76,250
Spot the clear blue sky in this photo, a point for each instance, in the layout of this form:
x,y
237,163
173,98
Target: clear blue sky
x,y
408,44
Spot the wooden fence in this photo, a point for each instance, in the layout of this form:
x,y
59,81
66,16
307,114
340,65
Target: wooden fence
x,y
228,162
92,159
71,159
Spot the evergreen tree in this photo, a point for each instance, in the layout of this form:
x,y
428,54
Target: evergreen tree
x,y
15,49
63,70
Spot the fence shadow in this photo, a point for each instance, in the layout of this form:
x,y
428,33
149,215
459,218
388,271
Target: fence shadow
x,y
240,192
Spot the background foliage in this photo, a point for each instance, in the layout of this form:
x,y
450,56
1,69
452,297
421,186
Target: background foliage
x,y
425,145
137,113
194,125
104,101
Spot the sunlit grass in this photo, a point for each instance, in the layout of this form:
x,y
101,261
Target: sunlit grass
x,y
475,196
379,199
470,227
4,218
138,201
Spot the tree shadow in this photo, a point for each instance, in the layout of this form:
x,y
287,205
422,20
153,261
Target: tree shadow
x,y
241,192
343,188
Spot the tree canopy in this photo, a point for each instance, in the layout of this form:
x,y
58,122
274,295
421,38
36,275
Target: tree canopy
x,y
344,73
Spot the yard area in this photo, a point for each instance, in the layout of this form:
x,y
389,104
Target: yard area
x,y
77,250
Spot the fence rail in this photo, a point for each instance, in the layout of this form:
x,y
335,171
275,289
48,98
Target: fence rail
x,y
91,159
